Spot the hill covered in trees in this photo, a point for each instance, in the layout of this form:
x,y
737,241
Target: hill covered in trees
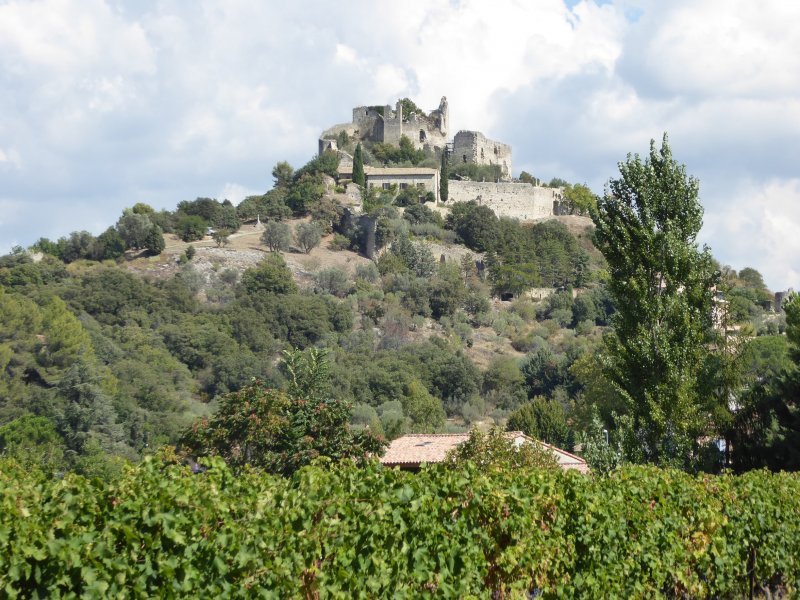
x,y
111,345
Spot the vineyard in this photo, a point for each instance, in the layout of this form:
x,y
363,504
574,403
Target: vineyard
x,y
347,531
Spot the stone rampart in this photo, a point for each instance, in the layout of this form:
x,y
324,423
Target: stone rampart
x,y
507,199
474,147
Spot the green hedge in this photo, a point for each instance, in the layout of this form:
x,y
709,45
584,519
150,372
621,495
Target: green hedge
x,y
349,532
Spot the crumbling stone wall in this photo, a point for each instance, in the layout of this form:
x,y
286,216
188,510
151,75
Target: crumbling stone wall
x,y
474,147
507,199
385,125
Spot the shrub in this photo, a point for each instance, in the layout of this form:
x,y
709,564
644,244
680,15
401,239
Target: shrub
x,y
308,236
339,242
430,230
334,281
368,272
276,236
191,228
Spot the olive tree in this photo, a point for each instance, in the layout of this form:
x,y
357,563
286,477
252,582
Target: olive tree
x,y
308,236
276,236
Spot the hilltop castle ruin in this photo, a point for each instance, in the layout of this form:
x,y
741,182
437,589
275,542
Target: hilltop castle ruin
x,y
429,132
425,131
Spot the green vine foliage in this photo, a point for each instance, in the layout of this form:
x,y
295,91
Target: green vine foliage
x,y
344,531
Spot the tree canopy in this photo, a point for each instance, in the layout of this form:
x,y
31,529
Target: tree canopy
x,y
662,285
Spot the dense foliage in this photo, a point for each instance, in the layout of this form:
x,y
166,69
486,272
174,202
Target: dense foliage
x,y
159,530
277,432
107,351
662,286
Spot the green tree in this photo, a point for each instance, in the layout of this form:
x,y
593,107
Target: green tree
x,y
543,370
270,276
444,174
495,450
447,291
226,217
221,237
191,228
417,257
752,278
33,442
767,425
271,205
308,373
304,193
308,236
425,411
417,214
78,245
282,432
108,245
542,419
503,382
475,224
282,174
326,213
140,208
154,242
579,199
88,418
358,167
276,236
647,224
134,229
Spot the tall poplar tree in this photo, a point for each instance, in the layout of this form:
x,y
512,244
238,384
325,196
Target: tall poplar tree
x,y
662,284
358,167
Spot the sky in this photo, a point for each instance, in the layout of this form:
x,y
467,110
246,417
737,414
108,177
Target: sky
x,y
106,103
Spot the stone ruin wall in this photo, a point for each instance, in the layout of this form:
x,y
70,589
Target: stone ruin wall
x,y
387,125
474,147
507,199
368,123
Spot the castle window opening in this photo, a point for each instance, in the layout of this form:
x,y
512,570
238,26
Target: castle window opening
x,y
481,153
403,186
495,150
386,186
421,135
465,159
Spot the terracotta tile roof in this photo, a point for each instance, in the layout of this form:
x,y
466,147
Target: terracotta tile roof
x,y
412,450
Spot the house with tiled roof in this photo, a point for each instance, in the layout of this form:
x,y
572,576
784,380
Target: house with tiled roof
x,y
410,451
422,179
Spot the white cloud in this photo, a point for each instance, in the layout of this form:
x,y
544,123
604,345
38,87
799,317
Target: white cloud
x,y
109,103
67,36
236,192
719,48
10,158
760,223
346,55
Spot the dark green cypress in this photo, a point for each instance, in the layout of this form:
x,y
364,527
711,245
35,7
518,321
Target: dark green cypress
x,y
358,167
444,173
